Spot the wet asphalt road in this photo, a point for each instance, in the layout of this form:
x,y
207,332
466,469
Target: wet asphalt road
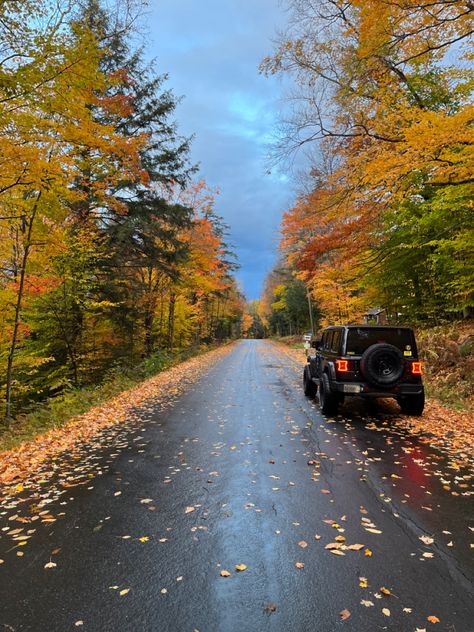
x,y
244,470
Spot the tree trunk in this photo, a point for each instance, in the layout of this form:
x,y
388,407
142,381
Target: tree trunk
x,y
149,317
18,308
171,321
148,325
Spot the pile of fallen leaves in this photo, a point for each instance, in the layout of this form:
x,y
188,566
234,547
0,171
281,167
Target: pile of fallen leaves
x,y
448,429
18,464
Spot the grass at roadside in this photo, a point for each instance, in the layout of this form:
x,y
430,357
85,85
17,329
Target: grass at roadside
x,y
57,411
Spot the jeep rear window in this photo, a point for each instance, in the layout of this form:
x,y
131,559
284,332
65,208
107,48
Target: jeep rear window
x,y
359,339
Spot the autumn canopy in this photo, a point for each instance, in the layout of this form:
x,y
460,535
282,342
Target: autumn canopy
x,y
383,102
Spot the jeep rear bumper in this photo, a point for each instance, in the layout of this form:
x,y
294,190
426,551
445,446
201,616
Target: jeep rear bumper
x,y
365,390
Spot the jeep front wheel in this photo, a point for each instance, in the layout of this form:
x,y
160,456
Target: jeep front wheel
x,y
328,402
309,387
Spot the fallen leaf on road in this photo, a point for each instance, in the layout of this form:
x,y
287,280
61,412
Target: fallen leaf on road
x,y
50,565
386,612
225,573
363,582
78,623
317,537
433,619
302,544
370,530
144,538
426,539
240,567
354,547
368,553
299,565
146,501
269,608
189,510
366,603
385,591
336,552
124,592
344,614
325,491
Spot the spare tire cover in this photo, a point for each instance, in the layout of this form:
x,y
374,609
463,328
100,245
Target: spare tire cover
x,y
382,364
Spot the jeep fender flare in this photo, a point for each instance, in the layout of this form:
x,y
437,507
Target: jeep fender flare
x,y
331,371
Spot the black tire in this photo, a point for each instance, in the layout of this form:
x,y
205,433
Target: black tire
x,y
309,387
328,402
412,404
382,364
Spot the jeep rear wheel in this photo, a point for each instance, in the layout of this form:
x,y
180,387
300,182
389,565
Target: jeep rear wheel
x,y
412,404
309,387
328,402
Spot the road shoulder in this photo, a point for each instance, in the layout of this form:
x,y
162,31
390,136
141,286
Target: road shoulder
x,y
32,457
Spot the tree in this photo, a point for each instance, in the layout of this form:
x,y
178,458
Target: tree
x,y
391,116
46,116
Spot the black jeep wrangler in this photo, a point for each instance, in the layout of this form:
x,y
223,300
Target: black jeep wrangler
x,y
368,361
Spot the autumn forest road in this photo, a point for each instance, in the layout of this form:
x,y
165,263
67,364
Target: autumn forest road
x,y
243,470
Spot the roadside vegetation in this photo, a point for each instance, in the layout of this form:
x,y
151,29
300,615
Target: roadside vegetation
x,y
112,258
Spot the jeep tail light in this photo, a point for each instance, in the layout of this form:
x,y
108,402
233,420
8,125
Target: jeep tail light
x,y
417,368
342,366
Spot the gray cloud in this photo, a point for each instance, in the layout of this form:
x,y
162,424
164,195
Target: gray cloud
x,y
211,50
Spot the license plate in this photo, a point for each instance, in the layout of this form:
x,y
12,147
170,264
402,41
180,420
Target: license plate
x,y
351,388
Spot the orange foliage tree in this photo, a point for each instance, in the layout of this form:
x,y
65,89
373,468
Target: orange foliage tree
x,y
392,119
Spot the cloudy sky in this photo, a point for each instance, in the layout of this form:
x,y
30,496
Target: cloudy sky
x,y
211,50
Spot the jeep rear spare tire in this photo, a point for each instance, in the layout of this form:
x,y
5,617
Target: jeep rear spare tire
x,y
382,364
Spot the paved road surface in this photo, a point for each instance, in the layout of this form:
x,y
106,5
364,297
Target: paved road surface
x,y
262,471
